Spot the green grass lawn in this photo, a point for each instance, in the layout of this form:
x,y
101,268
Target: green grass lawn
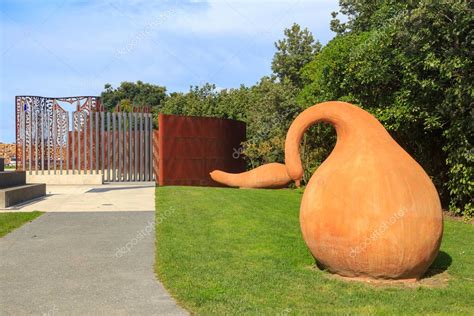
x,y
10,221
229,251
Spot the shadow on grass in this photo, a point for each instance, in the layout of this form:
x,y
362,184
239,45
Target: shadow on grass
x,y
441,264
436,276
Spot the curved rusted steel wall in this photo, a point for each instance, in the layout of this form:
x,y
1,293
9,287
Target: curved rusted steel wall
x,y
189,148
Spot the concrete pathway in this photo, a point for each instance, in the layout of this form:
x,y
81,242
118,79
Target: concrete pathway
x,y
76,263
86,198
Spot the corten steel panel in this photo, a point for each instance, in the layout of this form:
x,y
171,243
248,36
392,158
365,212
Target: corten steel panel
x,y
191,147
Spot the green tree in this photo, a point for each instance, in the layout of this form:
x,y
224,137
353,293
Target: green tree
x,y
206,100
272,110
199,101
293,53
137,94
366,15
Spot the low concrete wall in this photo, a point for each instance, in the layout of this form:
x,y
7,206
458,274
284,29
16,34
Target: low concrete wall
x,y
21,193
12,178
68,179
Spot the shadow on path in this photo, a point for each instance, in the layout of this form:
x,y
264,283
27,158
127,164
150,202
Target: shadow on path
x,y
102,190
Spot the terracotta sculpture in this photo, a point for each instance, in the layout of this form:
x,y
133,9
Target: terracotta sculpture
x,y
272,175
369,211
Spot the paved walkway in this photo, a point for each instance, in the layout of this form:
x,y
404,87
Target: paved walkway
x,y
86,198
78,263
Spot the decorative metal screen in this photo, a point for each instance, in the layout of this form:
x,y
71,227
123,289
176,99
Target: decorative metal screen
x,y
51,140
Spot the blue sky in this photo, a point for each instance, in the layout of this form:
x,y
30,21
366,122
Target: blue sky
x,y
68,48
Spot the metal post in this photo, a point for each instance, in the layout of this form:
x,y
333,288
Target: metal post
x,y
145,143
109,141
136,174
30,137
42,135
141,147
151,147
73,158
79,114
91,135
36,140
23,130
130,155
96,143
48,143
119,137
60,139
124,148
114,146
54,129
85,142
102,147
67,145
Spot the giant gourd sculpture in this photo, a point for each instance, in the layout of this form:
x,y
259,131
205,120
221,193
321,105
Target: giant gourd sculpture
x,y
369,211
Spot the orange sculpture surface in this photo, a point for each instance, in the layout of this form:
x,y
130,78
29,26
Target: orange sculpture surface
x,y
369,211
272,175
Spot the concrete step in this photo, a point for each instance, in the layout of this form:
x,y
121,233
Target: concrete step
x,y
22,193
12,178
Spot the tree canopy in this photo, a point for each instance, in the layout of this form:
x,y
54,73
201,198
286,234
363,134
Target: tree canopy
x,y
130,94
294,51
